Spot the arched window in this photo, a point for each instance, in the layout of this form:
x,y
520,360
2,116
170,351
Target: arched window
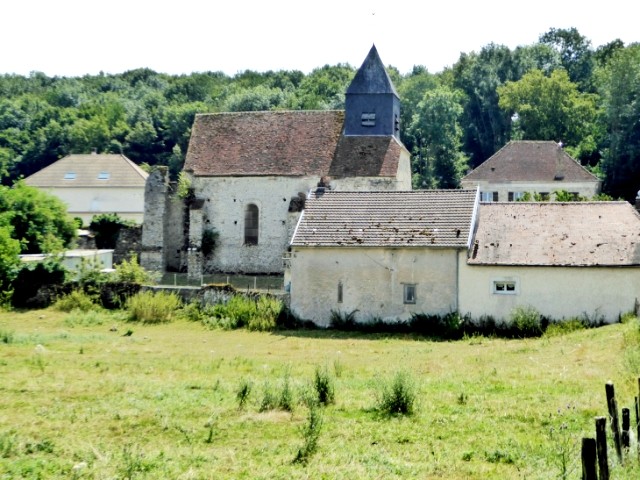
x,y
251,224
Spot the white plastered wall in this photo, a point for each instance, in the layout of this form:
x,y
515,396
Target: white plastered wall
x,y
584,189
373,282
556,292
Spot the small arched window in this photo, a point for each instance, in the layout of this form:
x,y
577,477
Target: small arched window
x,y
251,214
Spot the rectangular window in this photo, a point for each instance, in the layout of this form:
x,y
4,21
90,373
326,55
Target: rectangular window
x,y
340,292
104,176
368,119
410,293
515,196
488,196
505,287
70,176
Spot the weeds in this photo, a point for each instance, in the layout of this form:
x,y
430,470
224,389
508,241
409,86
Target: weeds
x,y
6,336
398,397
323,384
153,307
526,321
243,392
286,400
310,435
269,401
76,300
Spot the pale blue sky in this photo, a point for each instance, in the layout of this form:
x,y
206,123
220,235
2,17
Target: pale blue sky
x,y
76,37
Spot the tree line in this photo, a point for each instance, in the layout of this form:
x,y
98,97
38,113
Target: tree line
x,y
560,88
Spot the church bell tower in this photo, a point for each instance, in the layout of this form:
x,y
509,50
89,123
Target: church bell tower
x,y
372,105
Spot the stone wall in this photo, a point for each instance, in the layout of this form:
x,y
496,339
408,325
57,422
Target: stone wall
x,y
153,233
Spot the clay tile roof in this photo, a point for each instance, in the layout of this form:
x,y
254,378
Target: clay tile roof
x,y
531,161
368,156
557,234
426,218
90,170
293,143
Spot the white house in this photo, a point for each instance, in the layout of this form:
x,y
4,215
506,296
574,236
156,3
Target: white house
x,y
521,167
93,184
385,255
568,260
388,255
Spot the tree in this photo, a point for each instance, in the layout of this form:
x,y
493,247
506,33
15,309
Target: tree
x,y
9,261
37,220
551,108
575,53
436,126
620,89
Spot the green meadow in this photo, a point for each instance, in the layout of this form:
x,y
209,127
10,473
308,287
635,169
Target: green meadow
x,y
93,396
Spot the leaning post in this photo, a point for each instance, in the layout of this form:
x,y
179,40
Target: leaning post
x,y
613,416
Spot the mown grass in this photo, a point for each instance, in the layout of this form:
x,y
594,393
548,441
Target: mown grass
x,y
114,399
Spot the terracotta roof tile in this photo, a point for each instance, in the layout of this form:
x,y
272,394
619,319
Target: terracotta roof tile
x,y
114,170
426,218
559,234
531,161
294,143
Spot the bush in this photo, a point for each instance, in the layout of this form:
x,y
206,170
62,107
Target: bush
x,y
449,326
76,300
130,271
310,435
398,397
526,321
238,312
106,227
31,278
153,307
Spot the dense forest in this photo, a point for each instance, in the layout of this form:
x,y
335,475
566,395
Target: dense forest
x,y
560,88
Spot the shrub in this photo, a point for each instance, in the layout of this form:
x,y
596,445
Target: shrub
x,y
130,271
398,397
310,435
526,321
286,399
449,326
106,227
34,276
563,327
323,384
269,401
153,307
76,300
343,321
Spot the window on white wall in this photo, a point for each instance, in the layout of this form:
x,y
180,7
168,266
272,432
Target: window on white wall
x,y
340,292
251,224
410,293
505,287
488,196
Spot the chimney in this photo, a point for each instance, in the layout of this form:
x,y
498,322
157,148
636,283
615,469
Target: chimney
x,y
559,166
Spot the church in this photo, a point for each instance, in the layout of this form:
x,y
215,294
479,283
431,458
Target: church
x,y
250,173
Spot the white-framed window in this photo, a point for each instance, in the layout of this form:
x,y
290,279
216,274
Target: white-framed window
x,y
104,176
409,293
505,287
70,176
488,196
368,119
515,196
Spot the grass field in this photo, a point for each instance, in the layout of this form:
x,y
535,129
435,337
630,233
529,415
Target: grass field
x,y
91,396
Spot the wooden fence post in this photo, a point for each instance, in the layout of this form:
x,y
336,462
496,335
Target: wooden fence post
x,y
612,405
626,425
589,459
638,418
601,447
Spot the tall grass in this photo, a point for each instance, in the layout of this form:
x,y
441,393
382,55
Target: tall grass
x,y
239,311
153,307
398,396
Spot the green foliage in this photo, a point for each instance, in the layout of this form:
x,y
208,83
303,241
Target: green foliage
x,y
398,396
106,227
310,435
564,196
130,271
209,239
526,321
35,218
260,314
564,327
153,307
32,277
76,300
324,386
243,392
9,260
184,187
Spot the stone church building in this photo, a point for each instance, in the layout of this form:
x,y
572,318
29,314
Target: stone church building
x,y
251,172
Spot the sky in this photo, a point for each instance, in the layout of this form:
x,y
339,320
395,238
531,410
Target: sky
x,y
80,37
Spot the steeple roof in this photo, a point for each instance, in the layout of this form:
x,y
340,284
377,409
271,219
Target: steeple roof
x,y
372,77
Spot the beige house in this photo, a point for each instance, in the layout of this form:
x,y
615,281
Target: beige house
x,y
250,173
94,184
567,260
385,255
388,255
538,167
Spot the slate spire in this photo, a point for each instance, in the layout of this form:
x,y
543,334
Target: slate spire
x,y
372,105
